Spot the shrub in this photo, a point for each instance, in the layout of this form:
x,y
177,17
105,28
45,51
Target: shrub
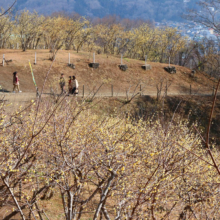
x,y
114,167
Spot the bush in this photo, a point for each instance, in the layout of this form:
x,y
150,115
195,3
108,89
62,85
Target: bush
x,y
112,166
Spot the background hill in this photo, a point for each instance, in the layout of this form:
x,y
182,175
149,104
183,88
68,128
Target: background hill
x,y
156,10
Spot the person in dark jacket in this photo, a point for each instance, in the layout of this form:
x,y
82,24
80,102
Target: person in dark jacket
x,y
70,85
16,82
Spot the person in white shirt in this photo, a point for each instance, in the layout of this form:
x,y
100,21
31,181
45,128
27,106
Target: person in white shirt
x,y
75,86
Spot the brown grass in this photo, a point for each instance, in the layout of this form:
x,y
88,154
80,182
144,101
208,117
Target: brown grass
x,y
108,73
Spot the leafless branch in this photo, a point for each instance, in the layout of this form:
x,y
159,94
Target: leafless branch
x,y
8,9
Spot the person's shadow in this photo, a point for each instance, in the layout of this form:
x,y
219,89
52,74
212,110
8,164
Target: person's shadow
x,y
4,90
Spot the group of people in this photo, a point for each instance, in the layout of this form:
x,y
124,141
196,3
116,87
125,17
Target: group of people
x,y
73,85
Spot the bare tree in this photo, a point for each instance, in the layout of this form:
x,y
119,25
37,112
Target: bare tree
x,y
208,14
8,9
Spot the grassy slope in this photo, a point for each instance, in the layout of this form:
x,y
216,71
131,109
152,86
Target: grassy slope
x,y
108,73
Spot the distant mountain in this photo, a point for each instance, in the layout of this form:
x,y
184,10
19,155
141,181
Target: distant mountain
x,y
156,10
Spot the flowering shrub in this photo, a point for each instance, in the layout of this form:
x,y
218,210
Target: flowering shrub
x,y
108,167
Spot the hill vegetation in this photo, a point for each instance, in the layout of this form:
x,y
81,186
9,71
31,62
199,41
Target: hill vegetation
x,y
66,162
29,30
110,36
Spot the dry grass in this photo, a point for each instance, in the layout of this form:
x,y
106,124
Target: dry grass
x,y
108,73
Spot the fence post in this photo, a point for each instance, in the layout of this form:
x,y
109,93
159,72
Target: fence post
x,y
94,57
190,90
140,90
35,62
112,91
69,59
83,91
3,61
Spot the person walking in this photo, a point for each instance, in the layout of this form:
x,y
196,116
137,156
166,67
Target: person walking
x,y
70,85
75,86
16,82
62,83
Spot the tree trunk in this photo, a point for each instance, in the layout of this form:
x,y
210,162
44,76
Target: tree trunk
x,y
103,196
70,206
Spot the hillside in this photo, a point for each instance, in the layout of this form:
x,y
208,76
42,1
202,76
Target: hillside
x,y
156,10
108,74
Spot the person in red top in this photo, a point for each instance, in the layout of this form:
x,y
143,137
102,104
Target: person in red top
x,y
16,82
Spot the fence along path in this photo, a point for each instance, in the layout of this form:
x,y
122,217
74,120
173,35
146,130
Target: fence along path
x,y
145,90
111,91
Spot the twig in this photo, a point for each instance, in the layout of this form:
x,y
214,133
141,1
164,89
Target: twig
x,y
8,8
45,215
209,128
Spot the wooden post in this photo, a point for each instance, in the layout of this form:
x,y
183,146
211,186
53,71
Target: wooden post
x,y
190,90
83,91
112,91
69,59
169,61
93,57
140,90
145,60
17,45
121,59
35,62
3,61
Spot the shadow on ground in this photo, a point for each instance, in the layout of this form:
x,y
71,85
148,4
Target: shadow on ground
x,y
4,90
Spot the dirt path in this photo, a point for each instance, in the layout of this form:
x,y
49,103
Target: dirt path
x,y
26,97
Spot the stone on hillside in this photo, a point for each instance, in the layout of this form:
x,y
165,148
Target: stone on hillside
x,y
193,72
94,65
71,65
123,67
170,69
146,67
192,75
